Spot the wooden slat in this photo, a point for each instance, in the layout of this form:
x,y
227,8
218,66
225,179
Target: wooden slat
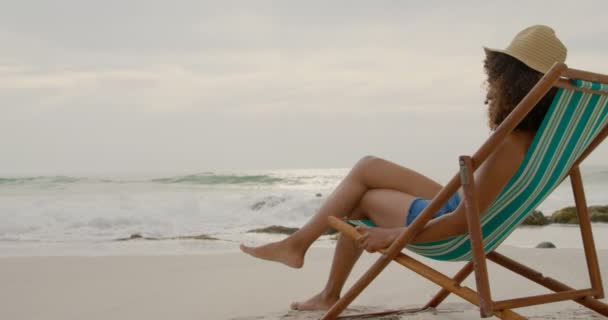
x,y
547,282
443,293
586,232
475,236
444,281
567,85
344,228
586,75
543,298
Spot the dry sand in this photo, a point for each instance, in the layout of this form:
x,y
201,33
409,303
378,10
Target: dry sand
x,y
235,286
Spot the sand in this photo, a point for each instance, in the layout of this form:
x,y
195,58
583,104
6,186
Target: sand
x,y
235,286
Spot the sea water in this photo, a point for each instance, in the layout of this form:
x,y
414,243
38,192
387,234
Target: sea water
x,y
88,215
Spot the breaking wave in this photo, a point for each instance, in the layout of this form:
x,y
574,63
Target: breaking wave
x,y
196,179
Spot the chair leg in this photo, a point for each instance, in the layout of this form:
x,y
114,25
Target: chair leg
x,y
586,232
445,282
444,293
547,282
476,237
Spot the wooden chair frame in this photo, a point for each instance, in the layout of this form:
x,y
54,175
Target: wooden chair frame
x,y
482,297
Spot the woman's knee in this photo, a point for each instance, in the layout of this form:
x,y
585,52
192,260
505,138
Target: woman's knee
x,y
365,161
364,164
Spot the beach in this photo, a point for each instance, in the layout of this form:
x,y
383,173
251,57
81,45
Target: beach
x,y
144,143
166,247
231,285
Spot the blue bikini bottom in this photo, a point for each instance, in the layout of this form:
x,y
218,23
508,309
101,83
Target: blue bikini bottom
x,y
419,204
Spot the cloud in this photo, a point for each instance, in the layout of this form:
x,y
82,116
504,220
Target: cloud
x,y
74,72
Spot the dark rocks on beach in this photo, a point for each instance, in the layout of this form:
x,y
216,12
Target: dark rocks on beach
x,y
258,205
133,236
599,213
274,230
284,230
545,244
193,237
536,218
565,215
138,236
568,215
267,202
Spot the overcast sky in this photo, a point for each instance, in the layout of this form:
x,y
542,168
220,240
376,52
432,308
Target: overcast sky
x,y
193,86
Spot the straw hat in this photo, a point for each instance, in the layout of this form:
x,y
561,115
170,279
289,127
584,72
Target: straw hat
x,y
536,46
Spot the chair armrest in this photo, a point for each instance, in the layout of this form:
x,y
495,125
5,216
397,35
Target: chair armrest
x,y
343,227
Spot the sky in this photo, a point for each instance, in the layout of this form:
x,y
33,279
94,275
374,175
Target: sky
x,y
199,86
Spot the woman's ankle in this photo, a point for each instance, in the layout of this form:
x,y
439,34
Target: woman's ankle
x,y
295,244
330,294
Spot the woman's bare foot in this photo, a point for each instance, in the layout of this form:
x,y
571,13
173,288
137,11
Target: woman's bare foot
x,y
318,302
278,252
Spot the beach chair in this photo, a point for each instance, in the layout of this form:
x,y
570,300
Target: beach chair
x,y
575,124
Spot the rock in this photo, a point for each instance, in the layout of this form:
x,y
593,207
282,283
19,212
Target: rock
x,y
137,236
267,202
545,244
258,205
194,237
536,218
565,215
598,213
274,230
133,236
568,215
285,230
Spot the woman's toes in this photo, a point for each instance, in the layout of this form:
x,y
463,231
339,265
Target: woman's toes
x,y
314,303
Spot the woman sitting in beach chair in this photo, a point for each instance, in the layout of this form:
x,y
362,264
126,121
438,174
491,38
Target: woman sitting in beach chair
x,y
392,196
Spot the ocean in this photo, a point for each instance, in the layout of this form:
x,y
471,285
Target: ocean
x,y
89,215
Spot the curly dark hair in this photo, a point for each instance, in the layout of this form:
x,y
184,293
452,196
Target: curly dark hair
x,y
509,80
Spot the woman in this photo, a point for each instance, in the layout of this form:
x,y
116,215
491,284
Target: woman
x,y
392,196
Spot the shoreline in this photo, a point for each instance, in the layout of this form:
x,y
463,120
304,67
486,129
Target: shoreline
x,y
561,235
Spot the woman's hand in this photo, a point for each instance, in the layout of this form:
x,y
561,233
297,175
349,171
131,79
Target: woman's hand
x,y
374,239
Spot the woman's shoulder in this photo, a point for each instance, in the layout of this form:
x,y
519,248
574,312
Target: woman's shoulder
x,y
511,152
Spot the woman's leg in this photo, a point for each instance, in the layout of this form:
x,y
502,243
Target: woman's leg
x,y
345,256
387,208
368,173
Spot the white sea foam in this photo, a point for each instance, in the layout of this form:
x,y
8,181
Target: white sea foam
x,y
69,211
82,209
